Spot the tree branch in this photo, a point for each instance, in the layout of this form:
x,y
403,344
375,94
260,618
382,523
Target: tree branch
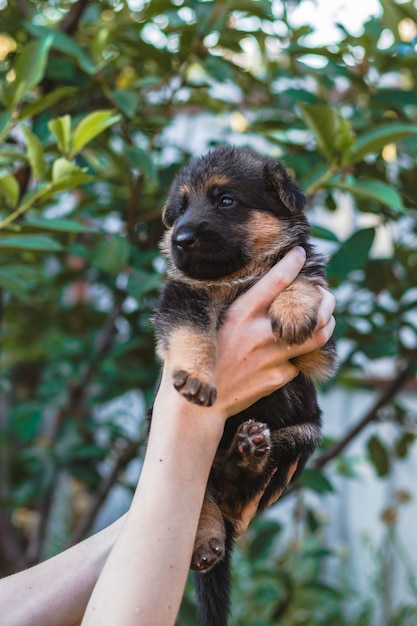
x,y
70,22
23,8
36,540
103,343
372,415
127,455
11,553
75,400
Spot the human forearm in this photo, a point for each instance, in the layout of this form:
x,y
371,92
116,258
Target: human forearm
x,y
149,575
57,590
143,580
144,576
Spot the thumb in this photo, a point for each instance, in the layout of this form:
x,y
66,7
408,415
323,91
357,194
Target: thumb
x,y
276,280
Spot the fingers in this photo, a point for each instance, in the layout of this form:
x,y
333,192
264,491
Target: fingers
x,y
251,509
324,328
291,472
318,340
284,373
326,308
276,280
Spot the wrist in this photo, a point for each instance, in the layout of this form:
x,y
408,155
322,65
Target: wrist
x,y
175,411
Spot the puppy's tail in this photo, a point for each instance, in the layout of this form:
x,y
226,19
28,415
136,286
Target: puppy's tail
x,y
213,588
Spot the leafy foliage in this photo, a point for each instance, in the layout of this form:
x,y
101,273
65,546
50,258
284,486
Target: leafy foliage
x,y
100,102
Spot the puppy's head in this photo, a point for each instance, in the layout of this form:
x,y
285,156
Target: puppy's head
x,y
228,207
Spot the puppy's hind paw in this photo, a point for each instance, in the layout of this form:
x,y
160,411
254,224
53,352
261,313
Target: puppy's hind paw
x,y
207,554
253,440
194,389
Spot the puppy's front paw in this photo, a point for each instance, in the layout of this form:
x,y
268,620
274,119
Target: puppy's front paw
x,y
293,313
194,389
293,329
207,553
253,439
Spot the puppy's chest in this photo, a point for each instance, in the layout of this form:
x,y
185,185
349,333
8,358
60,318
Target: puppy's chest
x,y
222,296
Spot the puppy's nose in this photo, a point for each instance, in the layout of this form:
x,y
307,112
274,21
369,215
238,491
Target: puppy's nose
x,y
185,238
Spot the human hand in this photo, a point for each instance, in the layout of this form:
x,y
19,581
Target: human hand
x,y
251,509
251,364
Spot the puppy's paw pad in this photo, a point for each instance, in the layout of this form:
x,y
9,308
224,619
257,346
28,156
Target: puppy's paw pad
x,y
207,554
194,389
253,439
294,332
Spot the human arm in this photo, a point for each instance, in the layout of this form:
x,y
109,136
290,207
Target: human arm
x,y
56,591
161,525
144,577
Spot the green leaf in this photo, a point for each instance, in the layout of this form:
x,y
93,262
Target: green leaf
x,y
63,170
34,108
333,133
13,283
404,444
34,243
111,255
375,139
391,16
32,196
9,156
315,480
9,187
378,455
5,120
67,45
91,126
30,67
373,190
56,225
352,254
77,179
127,101
379,275
219,68
141,283
267,532
20,279
35,153
142,160
61,129
25,420
323,233
393,98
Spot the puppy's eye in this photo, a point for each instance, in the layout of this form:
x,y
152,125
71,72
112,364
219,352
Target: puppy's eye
x,y
226,201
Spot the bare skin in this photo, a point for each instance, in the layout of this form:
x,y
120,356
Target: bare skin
x,y
133,573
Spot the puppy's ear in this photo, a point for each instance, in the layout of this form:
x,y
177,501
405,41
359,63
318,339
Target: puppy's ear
x,y
177,201
280,184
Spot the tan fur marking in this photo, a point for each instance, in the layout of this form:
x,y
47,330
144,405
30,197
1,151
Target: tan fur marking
x,y
210,538
191,356
190,350
316,365
218,180
294,311
263,232
184,190
211,522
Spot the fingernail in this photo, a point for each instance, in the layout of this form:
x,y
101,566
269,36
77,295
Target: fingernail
x,y
300,250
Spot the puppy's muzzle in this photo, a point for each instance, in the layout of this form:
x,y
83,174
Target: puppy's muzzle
x,y
184,237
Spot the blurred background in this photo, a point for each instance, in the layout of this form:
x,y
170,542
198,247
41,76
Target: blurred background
x,y
101,103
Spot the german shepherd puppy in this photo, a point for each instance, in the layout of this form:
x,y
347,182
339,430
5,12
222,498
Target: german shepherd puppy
x,y
230,216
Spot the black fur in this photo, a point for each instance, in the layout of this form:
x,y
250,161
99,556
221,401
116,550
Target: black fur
x,y
217,247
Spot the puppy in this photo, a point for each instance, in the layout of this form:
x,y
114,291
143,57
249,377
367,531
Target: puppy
x,y
230,216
